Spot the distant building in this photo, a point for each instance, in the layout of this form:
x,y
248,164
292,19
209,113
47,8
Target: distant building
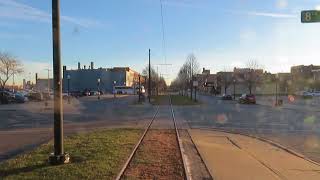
x,y
42,85
207,82
303,72
305,77
87,79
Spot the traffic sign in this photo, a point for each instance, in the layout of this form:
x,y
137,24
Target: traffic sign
x,y
310,16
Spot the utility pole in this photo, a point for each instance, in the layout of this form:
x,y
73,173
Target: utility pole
x,y
234,89
48,81
13,82
68,77
139,88
191,83
99,81
158,81
276,91
149,81
58,157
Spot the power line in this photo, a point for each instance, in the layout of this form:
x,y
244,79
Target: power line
x,y
163,36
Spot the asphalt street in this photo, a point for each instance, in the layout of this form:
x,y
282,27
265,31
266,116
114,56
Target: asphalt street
x,y
215,112
24,126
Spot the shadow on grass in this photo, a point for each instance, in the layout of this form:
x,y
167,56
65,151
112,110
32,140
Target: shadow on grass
x,y
15,171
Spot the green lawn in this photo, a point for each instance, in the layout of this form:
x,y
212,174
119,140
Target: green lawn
x,y
176,100
95,155
160,100
182,100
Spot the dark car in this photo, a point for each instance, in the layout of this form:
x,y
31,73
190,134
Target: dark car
x,y
19,98
226,97
6,97
35,96
76,94
247,99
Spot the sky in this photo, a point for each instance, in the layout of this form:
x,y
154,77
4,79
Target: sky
x,y
221,34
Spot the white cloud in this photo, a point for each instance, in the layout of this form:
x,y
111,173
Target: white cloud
x,y
281,4
272,15
264,14
12,9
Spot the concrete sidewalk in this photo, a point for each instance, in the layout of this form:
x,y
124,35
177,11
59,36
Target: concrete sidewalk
x,y
231,156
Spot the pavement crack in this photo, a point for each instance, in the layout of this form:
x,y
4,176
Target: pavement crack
x,y
278,174
233,142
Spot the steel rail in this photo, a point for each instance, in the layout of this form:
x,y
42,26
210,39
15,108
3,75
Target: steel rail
x,y
186,171
121,173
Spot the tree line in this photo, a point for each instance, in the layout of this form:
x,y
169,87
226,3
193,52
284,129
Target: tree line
x,y
187,73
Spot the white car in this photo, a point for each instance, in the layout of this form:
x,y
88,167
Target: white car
x,y
316,93
307,94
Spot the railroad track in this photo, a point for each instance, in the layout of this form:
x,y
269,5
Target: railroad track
x,y
179,142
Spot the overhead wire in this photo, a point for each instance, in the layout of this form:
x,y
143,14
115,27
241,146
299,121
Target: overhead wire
x,y
163,36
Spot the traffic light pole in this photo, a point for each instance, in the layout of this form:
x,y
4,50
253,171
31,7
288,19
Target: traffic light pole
x,y
58,157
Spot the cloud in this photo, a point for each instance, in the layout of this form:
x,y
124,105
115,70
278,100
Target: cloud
x,y
272,15
15,10
281,4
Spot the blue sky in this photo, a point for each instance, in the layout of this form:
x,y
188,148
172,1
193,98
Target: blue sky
x,y
221,34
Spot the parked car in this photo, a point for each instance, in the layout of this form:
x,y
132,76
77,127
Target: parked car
x,y
20,98
76,94
316,93
6,97
94,93
307,94
35,96
247,99
226,97
86,93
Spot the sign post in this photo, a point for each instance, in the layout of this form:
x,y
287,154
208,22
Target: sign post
x,y
195,85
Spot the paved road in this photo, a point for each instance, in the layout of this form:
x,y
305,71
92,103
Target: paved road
x,y
218,113
293,128
24,126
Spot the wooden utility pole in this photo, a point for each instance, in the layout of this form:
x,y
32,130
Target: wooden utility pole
x,y
58,157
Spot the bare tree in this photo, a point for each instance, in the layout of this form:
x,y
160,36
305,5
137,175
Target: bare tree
x,y
157,82
193,69
252,76
225,79
186,74
9,66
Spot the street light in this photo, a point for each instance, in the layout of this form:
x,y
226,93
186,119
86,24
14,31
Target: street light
x,y
68,77
114,91
234,89
99,80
